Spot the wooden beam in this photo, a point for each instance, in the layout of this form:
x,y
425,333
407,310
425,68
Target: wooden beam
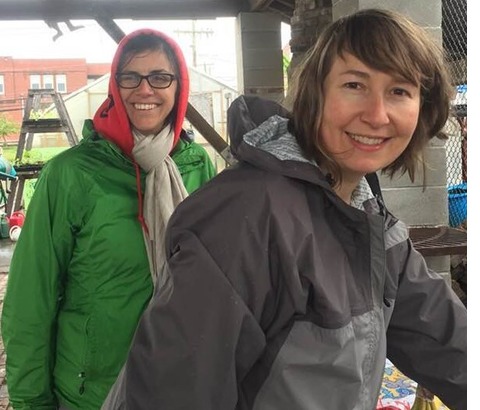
x,y
112,28
210,134
259,5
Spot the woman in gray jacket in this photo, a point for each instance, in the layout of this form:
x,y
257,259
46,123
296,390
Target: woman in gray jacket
x,y
288,281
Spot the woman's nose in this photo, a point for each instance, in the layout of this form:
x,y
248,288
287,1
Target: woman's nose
x,y
375,111
144,87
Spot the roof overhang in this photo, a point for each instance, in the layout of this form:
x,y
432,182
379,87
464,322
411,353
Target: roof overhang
x,y
61,10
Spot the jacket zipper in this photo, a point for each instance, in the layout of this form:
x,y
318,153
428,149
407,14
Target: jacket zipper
x,y
81,375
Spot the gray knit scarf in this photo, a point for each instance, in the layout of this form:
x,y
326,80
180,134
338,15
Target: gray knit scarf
x,y
164,190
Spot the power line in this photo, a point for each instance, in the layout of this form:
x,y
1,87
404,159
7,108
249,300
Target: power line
x,y
194,32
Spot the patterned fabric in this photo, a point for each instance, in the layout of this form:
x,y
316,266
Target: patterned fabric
x,y
398,392
273,137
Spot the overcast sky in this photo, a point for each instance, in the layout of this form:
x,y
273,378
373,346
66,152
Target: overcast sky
x,y
215,42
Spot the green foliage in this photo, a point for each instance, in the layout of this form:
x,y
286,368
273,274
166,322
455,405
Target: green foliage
x,y
38,155
30,157
286,64
9,153
33,156
41,114
8,127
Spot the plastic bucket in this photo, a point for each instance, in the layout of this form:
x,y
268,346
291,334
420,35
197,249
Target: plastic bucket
x,y
14,233
457,204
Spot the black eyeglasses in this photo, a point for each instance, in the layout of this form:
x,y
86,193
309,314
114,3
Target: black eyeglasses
x,y
155,80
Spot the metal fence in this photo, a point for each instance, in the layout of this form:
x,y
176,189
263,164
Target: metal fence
x,y
454,29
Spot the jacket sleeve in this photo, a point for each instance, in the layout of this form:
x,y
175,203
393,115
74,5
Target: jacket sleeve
x,y
427,335
194,343
34,291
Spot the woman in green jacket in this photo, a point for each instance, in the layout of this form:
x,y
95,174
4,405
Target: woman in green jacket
x,y
92,246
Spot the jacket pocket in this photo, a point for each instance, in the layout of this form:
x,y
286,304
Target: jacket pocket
x,y
388,304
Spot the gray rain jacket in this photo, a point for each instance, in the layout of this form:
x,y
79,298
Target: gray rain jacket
x,y
286,298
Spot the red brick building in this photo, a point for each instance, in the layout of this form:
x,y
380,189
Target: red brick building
x,y
63,75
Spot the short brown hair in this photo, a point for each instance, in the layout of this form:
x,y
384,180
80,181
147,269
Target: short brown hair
x,y
385,41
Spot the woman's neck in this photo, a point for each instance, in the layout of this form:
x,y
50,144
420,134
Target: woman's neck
x,y
345,189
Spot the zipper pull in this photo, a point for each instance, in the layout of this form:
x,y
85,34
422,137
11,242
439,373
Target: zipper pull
x,y
81,390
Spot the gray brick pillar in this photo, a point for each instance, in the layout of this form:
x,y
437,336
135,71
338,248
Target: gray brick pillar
x,y
259,55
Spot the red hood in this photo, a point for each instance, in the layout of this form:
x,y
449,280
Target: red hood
x,y
111,119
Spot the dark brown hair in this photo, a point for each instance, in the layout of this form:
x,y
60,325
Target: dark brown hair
x,y
385,41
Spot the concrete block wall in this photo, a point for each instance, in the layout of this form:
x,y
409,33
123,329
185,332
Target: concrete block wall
x,y
259,55
427,13
415,203
423,202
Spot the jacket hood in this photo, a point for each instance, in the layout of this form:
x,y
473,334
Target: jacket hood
x,y
254,122
246,113
259,133
111,118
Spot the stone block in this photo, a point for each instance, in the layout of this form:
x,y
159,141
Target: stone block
x,y
259,21
439,263
417,207
342,8
265,59
261,40
427,13
433,174
259,77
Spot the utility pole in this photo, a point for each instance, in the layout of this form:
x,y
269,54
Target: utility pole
x,y
194,32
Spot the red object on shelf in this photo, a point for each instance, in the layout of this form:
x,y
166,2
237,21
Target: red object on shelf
x,y
16,219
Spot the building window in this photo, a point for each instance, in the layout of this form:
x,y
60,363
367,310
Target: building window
x,y
61,80
2,85
35,82
48,81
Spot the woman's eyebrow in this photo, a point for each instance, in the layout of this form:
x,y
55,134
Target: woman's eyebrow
x,y
357,73
363,74
158,70
406,81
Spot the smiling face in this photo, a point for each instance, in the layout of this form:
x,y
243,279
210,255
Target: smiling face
x,y
368,117
147,107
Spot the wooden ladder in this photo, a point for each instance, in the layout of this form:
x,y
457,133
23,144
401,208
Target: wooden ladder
x,y
30,126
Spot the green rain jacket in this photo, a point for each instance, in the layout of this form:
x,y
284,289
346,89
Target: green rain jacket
x,y
194,164
73,300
